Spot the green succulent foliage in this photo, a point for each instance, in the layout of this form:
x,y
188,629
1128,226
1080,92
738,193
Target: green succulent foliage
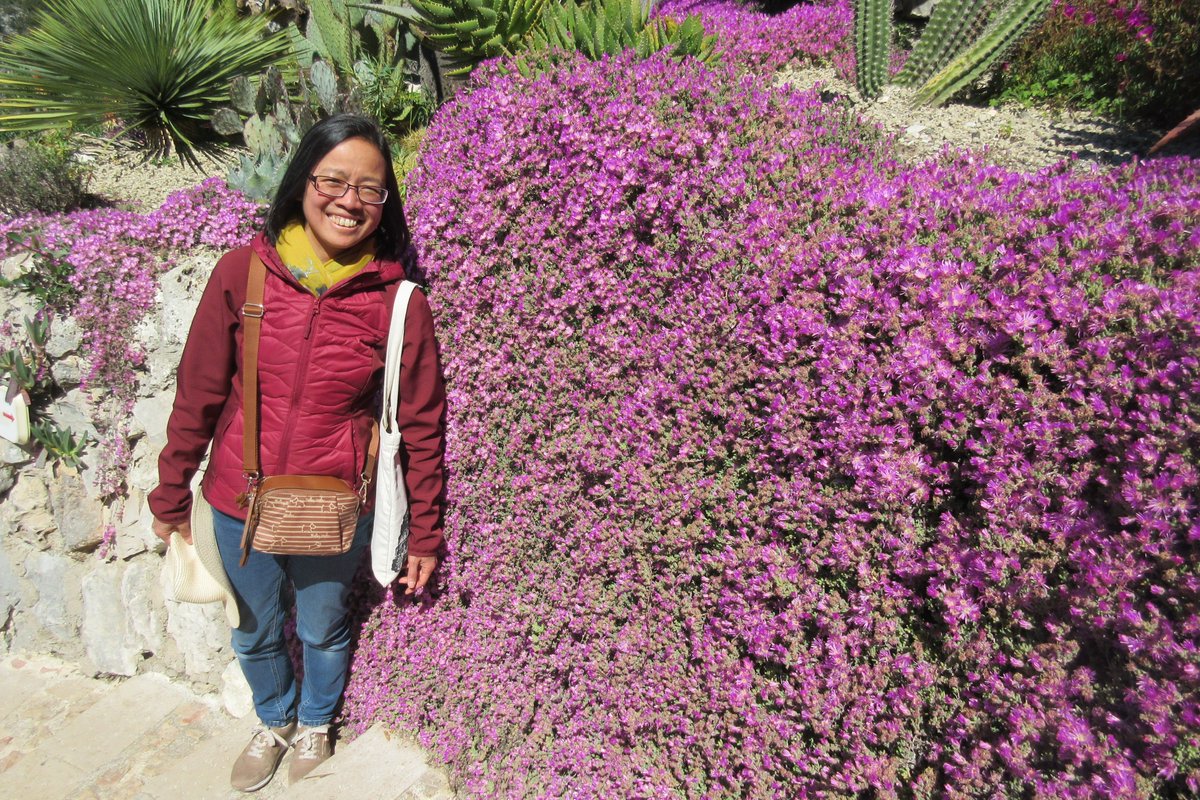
x,y
1009,24
59,443
963,39
161,67
609,27
466,32
872,44
26,365
272,129
953,24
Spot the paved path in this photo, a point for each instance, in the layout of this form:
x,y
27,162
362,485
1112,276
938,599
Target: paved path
x,y
63,735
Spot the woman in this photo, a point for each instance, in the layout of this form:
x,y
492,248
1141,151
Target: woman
x,y
333,244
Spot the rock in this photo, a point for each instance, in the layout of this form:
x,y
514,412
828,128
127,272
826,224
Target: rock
x,y
15,266
13,454
915,130
106,634
27,509
65,337
150,415
235,692
181,287
80,518
918,9
134,536
73,412
201,634
59,599
144,604
143,466
8,478
10,590
68,371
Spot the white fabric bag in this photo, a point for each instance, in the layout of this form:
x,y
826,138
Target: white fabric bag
x,y
389,539
14,413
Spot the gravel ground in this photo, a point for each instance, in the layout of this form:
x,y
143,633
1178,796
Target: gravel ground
x,y
1017,138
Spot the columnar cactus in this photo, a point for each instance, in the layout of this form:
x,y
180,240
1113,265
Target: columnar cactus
x,y
1008,25
963,39
872,44
954,24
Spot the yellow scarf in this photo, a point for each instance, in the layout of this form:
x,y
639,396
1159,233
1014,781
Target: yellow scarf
x,y
297,254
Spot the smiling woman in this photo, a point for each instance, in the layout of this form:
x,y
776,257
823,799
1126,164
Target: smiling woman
x,y
334,253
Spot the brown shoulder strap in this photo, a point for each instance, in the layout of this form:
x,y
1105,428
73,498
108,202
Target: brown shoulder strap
x,y
252,314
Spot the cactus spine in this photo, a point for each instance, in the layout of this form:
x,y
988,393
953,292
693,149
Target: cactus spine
x,y
872,44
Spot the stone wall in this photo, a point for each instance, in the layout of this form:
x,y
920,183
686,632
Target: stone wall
x,y
63,591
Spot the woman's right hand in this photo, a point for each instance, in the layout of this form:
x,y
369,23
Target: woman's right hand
x,y
163,530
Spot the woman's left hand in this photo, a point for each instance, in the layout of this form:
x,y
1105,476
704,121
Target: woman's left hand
x,y
420,570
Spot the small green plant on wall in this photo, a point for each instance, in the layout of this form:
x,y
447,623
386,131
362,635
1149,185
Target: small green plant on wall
x,y
963,39
27,366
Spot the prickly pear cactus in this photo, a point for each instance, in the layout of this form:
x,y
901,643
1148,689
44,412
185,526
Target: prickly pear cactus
x,y
325,84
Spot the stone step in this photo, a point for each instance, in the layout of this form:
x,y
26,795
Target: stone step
x,y
68,736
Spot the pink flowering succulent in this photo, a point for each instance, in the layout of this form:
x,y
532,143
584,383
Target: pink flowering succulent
x,y
112,260
780,470
805,34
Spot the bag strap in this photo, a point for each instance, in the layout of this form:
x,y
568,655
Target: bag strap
x,y
252,315
391,369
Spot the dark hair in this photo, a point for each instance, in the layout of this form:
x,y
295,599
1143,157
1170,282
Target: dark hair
x,y
392,238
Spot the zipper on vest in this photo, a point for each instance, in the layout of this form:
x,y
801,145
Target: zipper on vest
x,y
298,387
312,318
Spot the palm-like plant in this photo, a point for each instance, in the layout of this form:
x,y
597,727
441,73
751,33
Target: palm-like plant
x,y
161,67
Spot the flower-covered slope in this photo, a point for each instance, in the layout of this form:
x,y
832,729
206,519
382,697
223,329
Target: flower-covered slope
x,y
780,470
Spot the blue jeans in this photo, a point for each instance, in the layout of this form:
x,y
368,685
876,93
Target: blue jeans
x,y
322,586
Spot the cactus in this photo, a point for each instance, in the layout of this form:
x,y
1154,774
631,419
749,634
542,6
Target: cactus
x,y
329,22
953,25
1011,23
612,26
466,32
325,84
963,39
872,44
244,95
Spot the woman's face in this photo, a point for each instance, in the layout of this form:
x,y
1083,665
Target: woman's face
x,y
336,224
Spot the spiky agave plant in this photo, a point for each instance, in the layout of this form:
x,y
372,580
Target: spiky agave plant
x,y
609,27
466,32
161,67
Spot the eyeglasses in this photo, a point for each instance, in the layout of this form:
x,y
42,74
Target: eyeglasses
x,y
335,187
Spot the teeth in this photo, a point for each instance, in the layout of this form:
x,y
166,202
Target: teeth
x,y
343,222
